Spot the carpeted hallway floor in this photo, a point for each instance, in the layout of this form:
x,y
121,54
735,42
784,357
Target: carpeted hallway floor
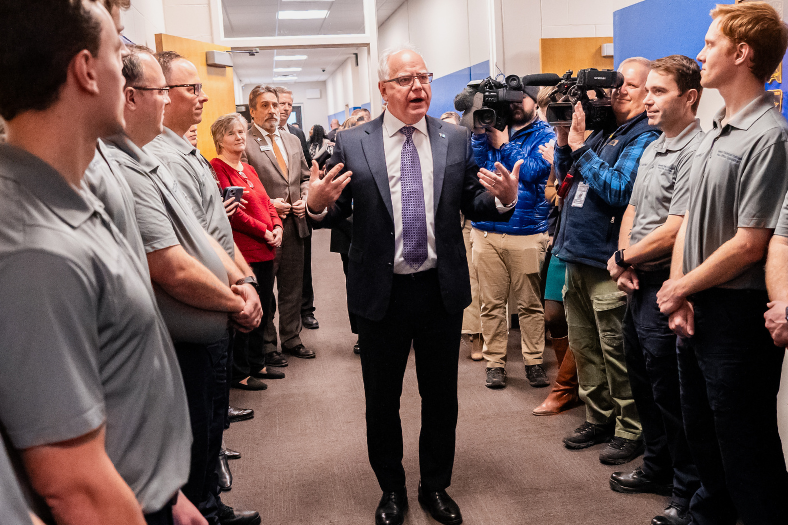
x,y
305,455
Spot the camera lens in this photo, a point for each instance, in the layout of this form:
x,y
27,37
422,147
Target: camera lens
x,y
484,117
514,82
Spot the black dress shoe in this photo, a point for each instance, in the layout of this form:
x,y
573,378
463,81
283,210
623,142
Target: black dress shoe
x,y
231,454
275,358
441,507
269,374
252,383
392,508
225,476
310,322
637,482
675,514
239,414
300,351
230,516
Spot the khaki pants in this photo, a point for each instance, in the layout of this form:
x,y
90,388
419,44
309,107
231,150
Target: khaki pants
x,y
510,265
471,317
595,308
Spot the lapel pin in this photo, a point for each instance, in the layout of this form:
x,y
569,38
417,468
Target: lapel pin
x,y
442,135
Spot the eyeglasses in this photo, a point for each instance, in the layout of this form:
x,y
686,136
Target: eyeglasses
x,y
161,90
407,81
196,88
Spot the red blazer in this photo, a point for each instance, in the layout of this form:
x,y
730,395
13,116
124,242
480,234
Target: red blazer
x,y
250,224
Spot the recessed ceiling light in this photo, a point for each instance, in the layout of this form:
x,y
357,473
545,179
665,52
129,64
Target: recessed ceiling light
x,y
309,14
290,57
286,69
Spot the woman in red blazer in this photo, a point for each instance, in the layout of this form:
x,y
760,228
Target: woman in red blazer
x,y
257,231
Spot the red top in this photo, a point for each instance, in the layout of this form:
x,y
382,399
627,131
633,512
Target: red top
x,y
250,224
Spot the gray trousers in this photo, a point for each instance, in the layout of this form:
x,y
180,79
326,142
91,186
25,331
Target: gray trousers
x,y
289,273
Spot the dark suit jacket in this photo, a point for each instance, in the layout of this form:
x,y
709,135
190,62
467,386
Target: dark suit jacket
x,y
304,146
368,198
290,187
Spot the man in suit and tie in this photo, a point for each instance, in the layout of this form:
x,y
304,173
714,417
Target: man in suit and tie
x,y
406,177
279,161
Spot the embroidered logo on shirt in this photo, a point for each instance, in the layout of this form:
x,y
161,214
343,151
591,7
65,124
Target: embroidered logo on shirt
x,y
730,157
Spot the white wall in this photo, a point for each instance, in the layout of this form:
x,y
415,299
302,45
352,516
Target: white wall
x,y
143,20
314,110
348,86
188,18
579,18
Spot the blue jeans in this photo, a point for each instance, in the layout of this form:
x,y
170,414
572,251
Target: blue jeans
x,y
730,374
653,367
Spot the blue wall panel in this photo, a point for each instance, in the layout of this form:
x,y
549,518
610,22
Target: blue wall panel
x,y
340,116
445,88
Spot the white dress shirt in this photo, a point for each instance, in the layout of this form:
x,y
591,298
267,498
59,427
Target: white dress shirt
x,y
277,138
393,141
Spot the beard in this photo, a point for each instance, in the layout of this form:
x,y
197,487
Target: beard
x,y
521,116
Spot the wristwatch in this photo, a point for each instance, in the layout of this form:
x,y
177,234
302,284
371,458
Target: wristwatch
x,y
620,259
786,313
249,280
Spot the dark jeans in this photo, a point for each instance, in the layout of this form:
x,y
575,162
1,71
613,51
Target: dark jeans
x,y
308,292
204,371
730,375
162,517
652,364
248,353
415,316
352,316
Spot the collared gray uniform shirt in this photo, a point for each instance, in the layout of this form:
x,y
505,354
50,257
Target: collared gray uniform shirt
x,y
13,508
662,186
83,344
165,218
196,179
737,180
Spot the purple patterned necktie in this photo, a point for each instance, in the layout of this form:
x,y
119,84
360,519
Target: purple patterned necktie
x,y
414,217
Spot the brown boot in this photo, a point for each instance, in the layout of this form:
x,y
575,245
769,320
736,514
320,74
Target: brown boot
x,y
560,346
564,394
477,342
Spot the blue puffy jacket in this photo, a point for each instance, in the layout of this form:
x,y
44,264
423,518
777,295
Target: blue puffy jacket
x,y
531,211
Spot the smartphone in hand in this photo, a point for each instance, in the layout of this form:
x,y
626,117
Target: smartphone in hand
x,y
233,191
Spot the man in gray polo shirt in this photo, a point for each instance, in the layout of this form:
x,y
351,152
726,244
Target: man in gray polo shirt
x,y
716,297
640,266
13,508
89,380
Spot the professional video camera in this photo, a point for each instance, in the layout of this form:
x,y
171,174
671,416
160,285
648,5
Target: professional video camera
x,y
570,90
496,97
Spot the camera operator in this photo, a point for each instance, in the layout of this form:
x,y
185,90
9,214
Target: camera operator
x,y
603,169
509,256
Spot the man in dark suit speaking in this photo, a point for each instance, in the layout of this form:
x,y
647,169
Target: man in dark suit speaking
x,y
406,177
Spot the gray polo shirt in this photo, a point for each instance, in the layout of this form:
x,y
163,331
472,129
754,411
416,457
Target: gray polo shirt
x,y
13,508
662,185
166,219
737,181
782,221
83,344
103,179
197,181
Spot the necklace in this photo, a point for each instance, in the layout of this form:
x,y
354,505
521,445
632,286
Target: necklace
x,y
240,172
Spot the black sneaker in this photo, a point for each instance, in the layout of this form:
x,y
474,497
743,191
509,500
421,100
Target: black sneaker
x,y
275,358
588,434
621,450
496,377
536,376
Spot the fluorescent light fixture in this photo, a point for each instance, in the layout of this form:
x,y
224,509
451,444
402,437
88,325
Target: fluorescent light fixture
x,y
290,57
309,14
285,78
286,69
307,0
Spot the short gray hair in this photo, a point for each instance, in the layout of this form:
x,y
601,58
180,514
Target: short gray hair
x,y
638,60
222,125
281,90
383,63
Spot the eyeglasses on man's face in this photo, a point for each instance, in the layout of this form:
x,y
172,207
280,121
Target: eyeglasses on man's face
x,y
407,80
196,88
161,90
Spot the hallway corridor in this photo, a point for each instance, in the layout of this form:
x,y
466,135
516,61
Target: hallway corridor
x,y
305,456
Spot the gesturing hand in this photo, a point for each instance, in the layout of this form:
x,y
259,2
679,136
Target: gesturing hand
x,y
547,151
577,133
323,192
501,184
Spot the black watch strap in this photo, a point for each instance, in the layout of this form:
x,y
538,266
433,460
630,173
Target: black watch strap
x,y
620,259
249,280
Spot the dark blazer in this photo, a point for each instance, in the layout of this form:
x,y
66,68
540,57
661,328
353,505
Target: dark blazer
x,y
304,146
291,186
368,198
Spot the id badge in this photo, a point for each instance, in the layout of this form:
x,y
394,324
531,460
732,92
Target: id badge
x,y
580,196
267,147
